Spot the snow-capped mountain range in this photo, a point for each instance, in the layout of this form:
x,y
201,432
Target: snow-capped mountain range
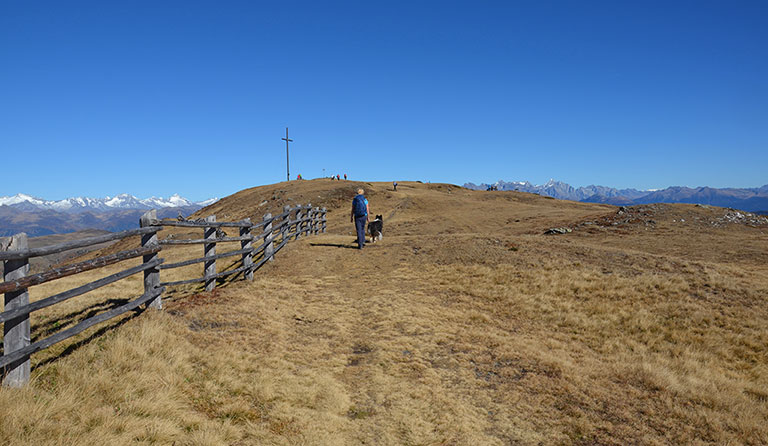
x,y
749,199
84,204
36,216
563,191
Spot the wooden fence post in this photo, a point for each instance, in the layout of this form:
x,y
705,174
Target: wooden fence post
x,y
311,221
316,221
16,331
269,248
210,251
322,227
151,276
308,223
246,244
285,228
298,222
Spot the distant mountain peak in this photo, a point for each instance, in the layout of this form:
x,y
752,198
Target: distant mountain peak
x,y
751,200
118,202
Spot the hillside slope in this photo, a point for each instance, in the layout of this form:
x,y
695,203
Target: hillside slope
x,y
465,325
415,207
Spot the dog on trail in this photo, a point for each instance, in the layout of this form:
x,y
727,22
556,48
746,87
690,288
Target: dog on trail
x,y
376,228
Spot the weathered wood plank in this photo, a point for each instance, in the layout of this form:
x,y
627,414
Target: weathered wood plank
x,y
79,328
205,224
16,329
151,276
261,224
210,251
306,226
76,268
269,249
286,212
264,245
274,219
205,259
203,241
248,257
299,219
56,298
66,246
281,230
315,219
324,221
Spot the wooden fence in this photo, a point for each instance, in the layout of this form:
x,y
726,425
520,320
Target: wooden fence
x,y
274,232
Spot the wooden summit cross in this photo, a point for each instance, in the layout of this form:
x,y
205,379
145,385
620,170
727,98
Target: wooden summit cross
x,y
287,164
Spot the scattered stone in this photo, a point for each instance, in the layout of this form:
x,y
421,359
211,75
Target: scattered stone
x,y
552,231
733,216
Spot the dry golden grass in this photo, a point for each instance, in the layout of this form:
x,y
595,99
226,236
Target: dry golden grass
x,y
464,326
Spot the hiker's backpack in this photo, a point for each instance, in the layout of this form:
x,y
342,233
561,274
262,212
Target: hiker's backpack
x,y
358,206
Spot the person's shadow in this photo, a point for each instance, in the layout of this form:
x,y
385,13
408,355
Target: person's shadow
x,y
334,245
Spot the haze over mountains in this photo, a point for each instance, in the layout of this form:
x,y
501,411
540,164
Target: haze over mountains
x,y
751,199
36,216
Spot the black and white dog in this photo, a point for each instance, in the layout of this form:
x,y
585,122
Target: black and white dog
x,y
376,228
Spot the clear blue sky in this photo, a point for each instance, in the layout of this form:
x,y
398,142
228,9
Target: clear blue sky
x,y
157,97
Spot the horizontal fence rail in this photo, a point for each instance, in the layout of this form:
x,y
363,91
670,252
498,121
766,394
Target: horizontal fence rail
x,y
274,233
66,246
204,224
58,273
204,240
74,292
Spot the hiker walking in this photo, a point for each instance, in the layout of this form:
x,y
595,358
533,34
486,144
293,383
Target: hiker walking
x,y
394,185
359,215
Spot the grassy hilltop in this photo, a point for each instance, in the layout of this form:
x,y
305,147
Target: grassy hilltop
x,y
466,325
